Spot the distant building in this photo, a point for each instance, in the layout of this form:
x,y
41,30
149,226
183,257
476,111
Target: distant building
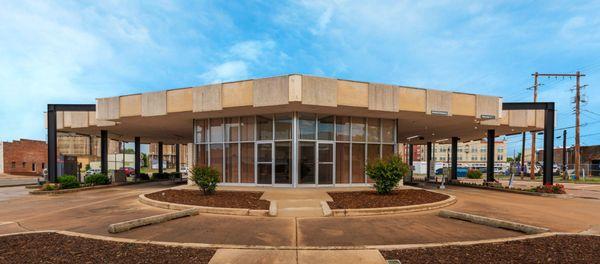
x,y
471,154
590,158
168,155
85,148
23,157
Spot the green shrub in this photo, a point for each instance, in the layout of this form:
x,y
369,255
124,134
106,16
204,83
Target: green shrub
x,y
160,176
144,177
68,182
474,174
49,187
97,179
549,188
387,173
175,175
206,178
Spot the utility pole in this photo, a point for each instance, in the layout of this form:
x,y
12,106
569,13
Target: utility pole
x,y
564,155
523,156
577,112
532,164
577,100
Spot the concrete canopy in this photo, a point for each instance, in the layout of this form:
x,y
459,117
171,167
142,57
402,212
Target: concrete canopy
x,y
423,114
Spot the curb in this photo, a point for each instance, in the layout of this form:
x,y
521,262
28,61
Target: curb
x,y
202,209
560,196
38,192
155,219
326,210
273,208
493,222
395,210
230,246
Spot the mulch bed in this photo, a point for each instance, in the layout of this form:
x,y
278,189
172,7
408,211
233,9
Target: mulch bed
x,y
370,199
555,249
57,248
228,199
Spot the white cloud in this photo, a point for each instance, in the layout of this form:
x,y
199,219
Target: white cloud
x,y
251,49
226,71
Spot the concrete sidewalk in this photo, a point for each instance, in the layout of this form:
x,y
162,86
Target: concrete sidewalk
x,y
251,256
7,180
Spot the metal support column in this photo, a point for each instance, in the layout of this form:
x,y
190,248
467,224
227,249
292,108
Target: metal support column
x,y
160,157
410,161
429,150
564,155
51,144
177,161
104,152
137,157
548,144
491,140
454,167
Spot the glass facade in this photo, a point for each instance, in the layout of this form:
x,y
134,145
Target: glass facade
x,y
293,148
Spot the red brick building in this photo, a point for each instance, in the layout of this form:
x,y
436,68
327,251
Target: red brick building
x,y
23,157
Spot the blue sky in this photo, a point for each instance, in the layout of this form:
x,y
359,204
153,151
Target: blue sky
x,y
74,52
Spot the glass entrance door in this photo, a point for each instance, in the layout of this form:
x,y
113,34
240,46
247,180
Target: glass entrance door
x,y
264,163
325,163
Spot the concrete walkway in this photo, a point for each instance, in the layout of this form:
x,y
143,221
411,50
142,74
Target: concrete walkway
x,y
7,180
251,256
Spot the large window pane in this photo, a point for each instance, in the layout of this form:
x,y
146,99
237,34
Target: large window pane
x,y
342,165
232,128
326,127
358,163
216,130
283,161
307,125
387,127
306,162
264,125
247,162
372,156
373,130
283,126
216,159
201,131
264,152
264,173
325,152
358,129
326,173
387,151
342,128
247,128
231,162
201,155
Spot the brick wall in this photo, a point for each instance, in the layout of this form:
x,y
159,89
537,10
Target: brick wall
x,y
25,157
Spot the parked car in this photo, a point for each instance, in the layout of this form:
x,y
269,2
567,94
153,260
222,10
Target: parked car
x,y
92,172
127,170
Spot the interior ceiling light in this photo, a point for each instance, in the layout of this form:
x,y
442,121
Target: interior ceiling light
x,y
439,113
412,137
488,117
441,140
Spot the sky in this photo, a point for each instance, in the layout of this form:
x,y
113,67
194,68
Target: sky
x,y
76,51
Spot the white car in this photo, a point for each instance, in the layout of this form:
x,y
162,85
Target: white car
x,y
92,172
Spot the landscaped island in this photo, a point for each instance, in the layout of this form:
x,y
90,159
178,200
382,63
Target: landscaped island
x,y
370,199
227,199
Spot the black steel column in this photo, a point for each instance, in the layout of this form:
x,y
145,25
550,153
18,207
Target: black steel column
x,y
491,140
51,115
177,161
428,160
160,157
548,144
137,157
454,174
104,152
523,156
564,154
410,161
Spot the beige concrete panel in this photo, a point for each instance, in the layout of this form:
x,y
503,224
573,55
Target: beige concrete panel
x,y
504,119
207,98
530,118
92,118
383,97
78,119
103,123
463,104
439,101
67,119
319,91
517,118
488,106
414,100
237,94
154,104
295,88
351,93
107,108
179,100
60,119
271,91
130,105
539,118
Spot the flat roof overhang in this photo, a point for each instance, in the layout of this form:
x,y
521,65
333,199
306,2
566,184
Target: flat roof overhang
x,y
424,115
